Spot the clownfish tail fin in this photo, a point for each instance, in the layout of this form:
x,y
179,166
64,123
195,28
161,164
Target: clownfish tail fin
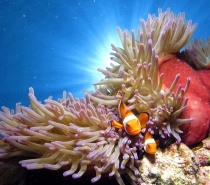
x,y
116,124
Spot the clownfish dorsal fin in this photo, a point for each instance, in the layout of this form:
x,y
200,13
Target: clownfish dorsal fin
x,y
123,111
115,124
119,107
143,119
147,135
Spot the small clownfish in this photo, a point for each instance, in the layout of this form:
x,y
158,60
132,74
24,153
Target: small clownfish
x,y
150,145
130,123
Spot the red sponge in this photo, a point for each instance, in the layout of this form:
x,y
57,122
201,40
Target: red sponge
x,y
198,94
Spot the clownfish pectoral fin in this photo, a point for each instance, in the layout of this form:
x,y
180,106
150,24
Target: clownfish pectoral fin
x,y
115,124
143,119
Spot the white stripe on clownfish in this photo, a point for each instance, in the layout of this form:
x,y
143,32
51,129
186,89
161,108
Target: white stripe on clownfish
x,y
128,121
150,145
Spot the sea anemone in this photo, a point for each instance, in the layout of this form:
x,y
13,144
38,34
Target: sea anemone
x,y
69,132
78,132
136,73
169,32
197,53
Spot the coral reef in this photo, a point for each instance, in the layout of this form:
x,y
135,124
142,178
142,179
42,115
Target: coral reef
x,y
184,165
202,152
180,162
204,177
76,134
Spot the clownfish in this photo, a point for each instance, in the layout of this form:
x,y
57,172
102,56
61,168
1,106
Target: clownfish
x,y
130,123
133,125
150,145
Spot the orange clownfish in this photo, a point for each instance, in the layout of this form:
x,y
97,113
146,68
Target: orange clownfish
x,y
130,123
133,125
150,145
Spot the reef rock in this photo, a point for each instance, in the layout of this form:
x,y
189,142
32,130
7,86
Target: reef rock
x,y
204,177
177,164
202,152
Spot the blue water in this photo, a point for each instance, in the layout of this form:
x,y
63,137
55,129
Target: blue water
x,y
54,45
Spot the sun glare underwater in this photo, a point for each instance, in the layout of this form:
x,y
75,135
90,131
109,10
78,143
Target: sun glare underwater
x,y
147,104
54,46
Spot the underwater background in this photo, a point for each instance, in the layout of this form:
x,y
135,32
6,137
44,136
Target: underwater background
x,y
58,45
